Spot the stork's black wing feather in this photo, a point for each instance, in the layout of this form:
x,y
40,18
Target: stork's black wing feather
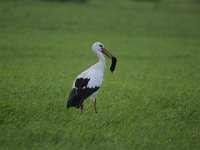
x,y
80,92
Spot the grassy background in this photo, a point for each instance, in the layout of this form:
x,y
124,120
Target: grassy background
x,y
152,101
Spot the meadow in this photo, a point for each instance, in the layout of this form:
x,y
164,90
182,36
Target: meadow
x,y
151,101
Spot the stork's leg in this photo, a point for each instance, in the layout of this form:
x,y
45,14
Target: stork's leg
x,y
95,105
81,108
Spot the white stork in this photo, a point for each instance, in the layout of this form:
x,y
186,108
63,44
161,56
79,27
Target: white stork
x,y
88,82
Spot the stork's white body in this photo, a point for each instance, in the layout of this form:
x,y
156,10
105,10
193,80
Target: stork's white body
x,y
95,73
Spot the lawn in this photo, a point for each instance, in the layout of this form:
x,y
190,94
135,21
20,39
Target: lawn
x,y
151,101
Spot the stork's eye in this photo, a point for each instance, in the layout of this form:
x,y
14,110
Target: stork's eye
x,y
101,46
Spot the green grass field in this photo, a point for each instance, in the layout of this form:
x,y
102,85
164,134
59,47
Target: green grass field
x,y
152,101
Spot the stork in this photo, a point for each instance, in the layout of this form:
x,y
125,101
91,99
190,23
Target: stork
x,y
89,81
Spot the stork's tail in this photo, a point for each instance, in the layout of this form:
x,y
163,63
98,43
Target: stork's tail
x,y
69,104
73,100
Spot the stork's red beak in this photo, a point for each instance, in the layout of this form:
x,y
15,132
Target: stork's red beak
x,y
114,60
106,52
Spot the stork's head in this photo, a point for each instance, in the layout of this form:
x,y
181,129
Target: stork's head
x,y
99,47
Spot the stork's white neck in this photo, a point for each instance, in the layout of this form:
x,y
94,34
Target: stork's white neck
x,y
101,57
102,60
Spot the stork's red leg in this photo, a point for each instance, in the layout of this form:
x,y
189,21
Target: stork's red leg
x,y
95,105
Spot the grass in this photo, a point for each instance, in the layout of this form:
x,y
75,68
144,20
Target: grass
x,y
150,102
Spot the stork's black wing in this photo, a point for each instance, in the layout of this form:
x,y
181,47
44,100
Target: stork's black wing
x,y
80,92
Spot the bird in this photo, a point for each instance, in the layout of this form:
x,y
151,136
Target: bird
x,y
87,84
